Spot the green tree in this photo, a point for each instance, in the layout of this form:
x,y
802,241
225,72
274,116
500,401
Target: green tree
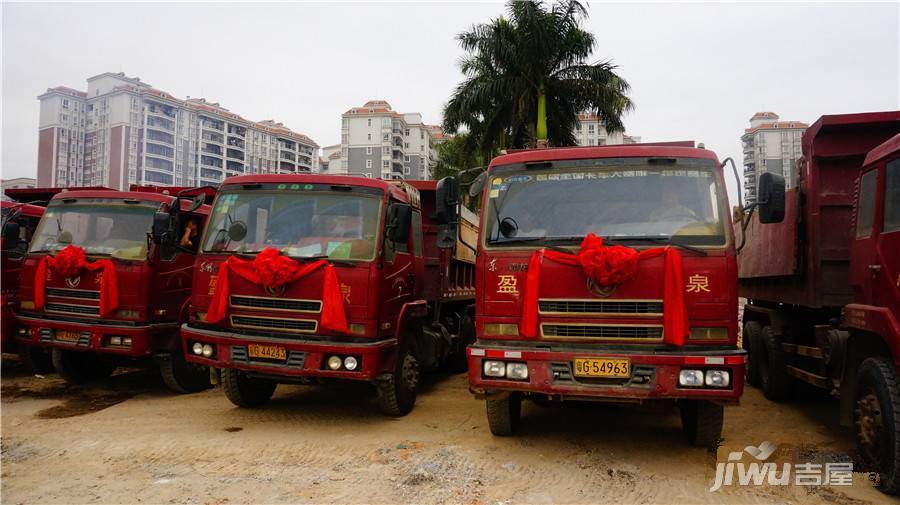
x,y
526,78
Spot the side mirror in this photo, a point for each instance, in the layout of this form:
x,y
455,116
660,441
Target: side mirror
x,y
161,227
197,202
770,198
237,231
446,200
399,219
11,233
478,184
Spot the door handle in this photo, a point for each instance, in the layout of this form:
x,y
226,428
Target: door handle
x,y
874,268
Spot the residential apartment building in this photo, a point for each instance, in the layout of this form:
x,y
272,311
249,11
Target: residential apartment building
x,y
330,161
15,183
591,131
122,131
378,142
772,146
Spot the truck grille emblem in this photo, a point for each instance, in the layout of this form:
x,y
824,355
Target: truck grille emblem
x,y
600,291
73,282
275,291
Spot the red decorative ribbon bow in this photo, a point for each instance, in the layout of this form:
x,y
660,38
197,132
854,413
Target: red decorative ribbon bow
x,y
611,266
273,271
70,262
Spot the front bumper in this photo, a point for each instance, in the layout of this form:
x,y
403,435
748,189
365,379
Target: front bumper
x,y
654,375
305,358
146,340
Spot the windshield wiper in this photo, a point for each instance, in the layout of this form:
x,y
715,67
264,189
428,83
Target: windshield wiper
x,y
658,240
546,240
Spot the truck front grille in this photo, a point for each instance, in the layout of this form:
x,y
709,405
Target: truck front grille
x,y
648,333
287,304
81,294
275,323
68,308
630,307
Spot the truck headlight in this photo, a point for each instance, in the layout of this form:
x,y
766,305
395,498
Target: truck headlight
x,y
503,329
690,378
350,363
494,368
197,348
334,362
207,351
718,378
517,371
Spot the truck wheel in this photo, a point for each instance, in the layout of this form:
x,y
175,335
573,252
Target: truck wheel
x,y
702,422
750,343
773,377
181,376
877,421
397,392
504,415
37,359
79,367
246,391
458,361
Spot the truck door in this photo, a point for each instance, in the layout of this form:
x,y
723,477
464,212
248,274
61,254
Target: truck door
x,y
863,266
887,292
397,282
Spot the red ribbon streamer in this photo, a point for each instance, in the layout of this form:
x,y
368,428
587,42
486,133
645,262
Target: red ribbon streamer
x,y
70,262
272,270
607,266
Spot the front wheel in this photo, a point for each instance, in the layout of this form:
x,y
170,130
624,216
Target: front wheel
x,y
397,391
876,419
702,422
751,343
775,382
79,367
504,415
181,376
246,391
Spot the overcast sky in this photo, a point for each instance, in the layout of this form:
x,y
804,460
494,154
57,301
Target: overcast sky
x,y
698,71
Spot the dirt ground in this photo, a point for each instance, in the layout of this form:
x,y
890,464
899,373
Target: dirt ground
x,y
129,440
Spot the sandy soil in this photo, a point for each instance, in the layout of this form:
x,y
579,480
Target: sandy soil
x,y
129,440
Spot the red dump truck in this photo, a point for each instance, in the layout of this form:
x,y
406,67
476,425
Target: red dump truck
x,y
609,274
309,277
20,218
106,281
820,268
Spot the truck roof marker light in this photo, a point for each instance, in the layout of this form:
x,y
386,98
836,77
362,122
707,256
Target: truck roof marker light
x,y
715,360
476,352
512,354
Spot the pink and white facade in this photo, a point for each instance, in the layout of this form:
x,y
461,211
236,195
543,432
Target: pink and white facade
x,y
122,131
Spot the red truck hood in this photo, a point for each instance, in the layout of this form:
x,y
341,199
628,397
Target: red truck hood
x,y
709,287
353,279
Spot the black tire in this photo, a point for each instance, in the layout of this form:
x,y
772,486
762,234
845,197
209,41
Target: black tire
x,y
397,391
79,367
876,419
774,380
246,391
458,361
181,376
702,422
36,359
505,415
750,343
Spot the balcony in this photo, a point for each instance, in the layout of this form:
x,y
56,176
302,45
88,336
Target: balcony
x,y
240,131
161,110
287,167
235,142
160,123
212,124
211,149
235,154
287,155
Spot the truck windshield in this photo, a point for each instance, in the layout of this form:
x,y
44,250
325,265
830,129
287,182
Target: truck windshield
x,y
97,225
623,199
310,224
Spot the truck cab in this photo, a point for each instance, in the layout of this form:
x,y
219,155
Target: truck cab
x,y
550,330
104,282
370,284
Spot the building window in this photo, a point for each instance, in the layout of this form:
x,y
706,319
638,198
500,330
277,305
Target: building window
x,y
385,163
407,132
368,163
385,151
590,128
369,150
406,170
406,159
368,175
369,136
406,145
369,121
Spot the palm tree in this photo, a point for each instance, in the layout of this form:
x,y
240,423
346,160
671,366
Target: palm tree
x,y
528,77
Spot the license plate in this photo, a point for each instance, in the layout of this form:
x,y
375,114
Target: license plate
x,y
267,351
67,336
602,367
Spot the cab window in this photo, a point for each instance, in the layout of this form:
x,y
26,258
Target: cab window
x,y
865,213
892,197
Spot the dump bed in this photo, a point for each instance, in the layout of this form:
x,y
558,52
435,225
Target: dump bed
x,y
449,273
805,259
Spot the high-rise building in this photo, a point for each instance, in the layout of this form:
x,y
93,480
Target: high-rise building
x,y
772,146
122,131
378,142
591,131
